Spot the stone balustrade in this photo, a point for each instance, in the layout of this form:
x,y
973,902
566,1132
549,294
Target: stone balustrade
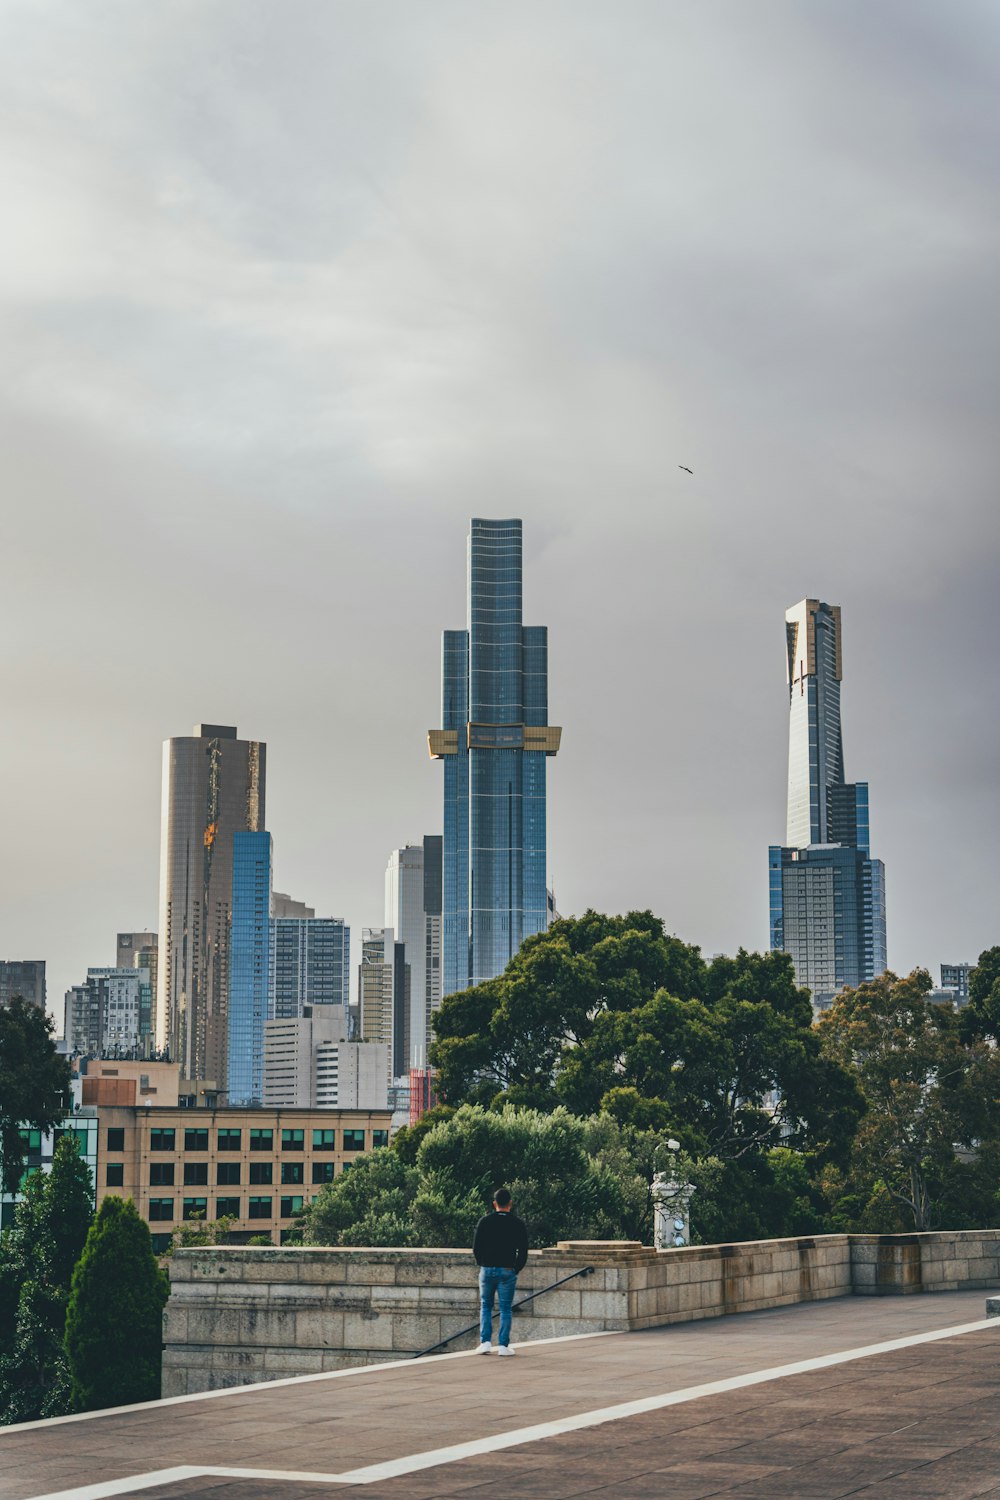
x,y
241,1314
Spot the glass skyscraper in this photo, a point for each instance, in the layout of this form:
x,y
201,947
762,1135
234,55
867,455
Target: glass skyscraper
x,y
494,739
249,955
827,894
310,965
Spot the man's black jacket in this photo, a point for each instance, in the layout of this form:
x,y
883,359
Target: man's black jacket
x,y
501,1240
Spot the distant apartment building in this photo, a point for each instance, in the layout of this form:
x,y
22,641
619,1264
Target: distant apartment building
x,y
104,1013
257,1167
826,893
383,996
310,964
956,977
285,906
213,786
310,1064
413,911
139,950
24,977
249,966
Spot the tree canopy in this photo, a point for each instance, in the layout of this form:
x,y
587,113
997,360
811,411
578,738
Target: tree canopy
x,y
610,1014
933,1120
34,1082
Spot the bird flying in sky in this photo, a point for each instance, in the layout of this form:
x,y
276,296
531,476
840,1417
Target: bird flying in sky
x,y
685,468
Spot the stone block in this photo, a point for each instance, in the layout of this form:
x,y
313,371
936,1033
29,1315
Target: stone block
x,y
319,1329
373,1274
175,1324
424,1274
391,1298
279,1363
565,1303
263,1328
611,1305
412,1332
296,1293
213,1325
371,1332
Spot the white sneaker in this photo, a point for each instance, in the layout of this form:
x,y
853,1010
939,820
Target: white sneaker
x,y
484,1349
505,1349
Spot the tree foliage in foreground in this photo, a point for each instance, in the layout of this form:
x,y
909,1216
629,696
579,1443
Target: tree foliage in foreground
x,y
34,1081
37,1256
610,1014
926,1152
114,1324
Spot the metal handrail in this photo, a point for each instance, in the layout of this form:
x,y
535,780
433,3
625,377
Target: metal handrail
x,y
583,1271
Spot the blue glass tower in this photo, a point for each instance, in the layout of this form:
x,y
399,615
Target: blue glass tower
x,y
249,954
494,740
826,893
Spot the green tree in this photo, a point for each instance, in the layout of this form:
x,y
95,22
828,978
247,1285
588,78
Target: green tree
x,y
114,1324
981,1017
571,1178
932,1123
34,1081
37,1256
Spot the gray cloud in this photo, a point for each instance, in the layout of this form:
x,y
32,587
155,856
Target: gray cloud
x,y
291,291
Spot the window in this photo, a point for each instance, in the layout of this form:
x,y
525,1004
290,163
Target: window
x,y
380,1138
262,1140
229,1140
116,1138
323,1171
291,1206
161,1208
161,1140
161,1174
227,1208
261,1171
227,1173
31,1140
161,1242
324,1140
114,1174
195,1140
195,1173
354,1140
293,1171
260,1208
293,1140
195,1208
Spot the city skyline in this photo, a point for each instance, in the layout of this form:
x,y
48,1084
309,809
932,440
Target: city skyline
x,y
362,302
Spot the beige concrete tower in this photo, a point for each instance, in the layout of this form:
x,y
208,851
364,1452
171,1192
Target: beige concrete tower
x,y
213,785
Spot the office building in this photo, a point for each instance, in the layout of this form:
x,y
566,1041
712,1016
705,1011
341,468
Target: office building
x,y
384,996
826,892
39,1148
310,964
956,977
213,786
102,1015
249,966
310,1064
24,977
257,1167
138,950
413,911
494,740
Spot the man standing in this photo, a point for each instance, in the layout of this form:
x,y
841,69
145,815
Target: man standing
x,y
501,1250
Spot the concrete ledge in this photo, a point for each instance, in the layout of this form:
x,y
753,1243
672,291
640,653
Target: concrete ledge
x,y
239,1314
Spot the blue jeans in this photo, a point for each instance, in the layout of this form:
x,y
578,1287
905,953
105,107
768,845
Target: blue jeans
x,y
502,1281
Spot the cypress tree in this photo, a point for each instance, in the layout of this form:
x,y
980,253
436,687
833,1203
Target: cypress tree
x,y
37,1256
114,1326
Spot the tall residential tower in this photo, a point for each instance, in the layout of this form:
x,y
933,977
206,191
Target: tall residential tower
x,y
494,739
213,786
827,895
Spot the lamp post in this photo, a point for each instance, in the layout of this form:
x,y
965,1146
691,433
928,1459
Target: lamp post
x,y
671,1206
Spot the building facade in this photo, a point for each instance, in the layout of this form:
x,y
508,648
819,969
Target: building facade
x,y
249,966
310,1064
310,964
257,1167
494,740
139,950
956,977
826,893
24,977
413,911
213,786
384,995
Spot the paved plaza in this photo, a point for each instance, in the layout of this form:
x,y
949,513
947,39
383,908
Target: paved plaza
x,y
887,1397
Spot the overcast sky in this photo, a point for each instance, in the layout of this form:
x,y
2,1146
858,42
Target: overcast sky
x,y
290,290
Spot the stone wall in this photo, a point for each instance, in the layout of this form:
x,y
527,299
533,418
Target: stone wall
x,y
239,1314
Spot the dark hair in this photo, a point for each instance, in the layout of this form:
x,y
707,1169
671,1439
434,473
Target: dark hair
x,y
501,1197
